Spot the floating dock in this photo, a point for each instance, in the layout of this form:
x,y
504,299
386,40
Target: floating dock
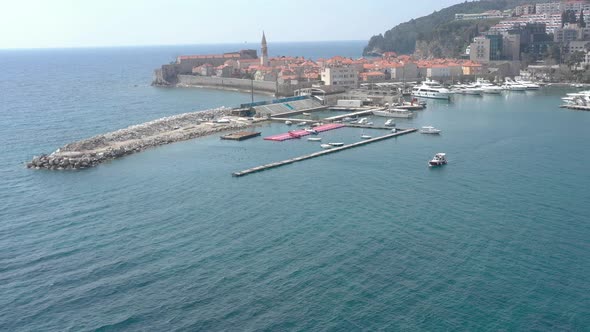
x,y
322,153
241,135
302,132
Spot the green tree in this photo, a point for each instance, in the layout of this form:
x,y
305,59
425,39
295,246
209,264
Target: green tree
x,y
575,59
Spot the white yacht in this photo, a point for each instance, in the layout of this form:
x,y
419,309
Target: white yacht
x,y
513,86
326,146
314,139
394,113
430,130
364,136
431,89
288,123
529,85
488,88
473,90
439,159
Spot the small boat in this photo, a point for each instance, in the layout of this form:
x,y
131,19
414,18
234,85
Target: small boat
x,y
390,123
288,123
301,124
366,136
314,139
347,119
430,130
336,144
439,159
326,146
369,123
223,121
363,121
311,130
306,114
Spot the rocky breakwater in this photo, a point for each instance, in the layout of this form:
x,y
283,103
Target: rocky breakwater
x,y
95,150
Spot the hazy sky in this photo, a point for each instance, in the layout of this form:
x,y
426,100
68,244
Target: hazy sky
x,y
84,23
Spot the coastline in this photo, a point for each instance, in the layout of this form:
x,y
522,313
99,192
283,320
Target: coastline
x,y
95,150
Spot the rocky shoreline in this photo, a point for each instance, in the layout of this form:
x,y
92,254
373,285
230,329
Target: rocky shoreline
x,y
98,149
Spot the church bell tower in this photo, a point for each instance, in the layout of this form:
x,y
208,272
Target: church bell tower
x,y
264,49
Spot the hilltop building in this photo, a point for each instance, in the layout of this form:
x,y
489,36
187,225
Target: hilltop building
x,y
490,14
524,10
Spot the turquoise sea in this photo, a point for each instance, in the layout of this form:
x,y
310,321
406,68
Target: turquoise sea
x,y
362,240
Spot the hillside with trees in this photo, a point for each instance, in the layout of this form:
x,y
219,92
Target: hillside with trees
x,y
438,34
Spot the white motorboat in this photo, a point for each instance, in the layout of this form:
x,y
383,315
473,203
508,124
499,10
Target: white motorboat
x,y
336,144
364,136
288,123
311,131
488,88
430,130
394,113
431,89
306,114
362,121
223,121
390,123
347,119
439,159
529,85
513,86
314,139
326,146
302,124
472,90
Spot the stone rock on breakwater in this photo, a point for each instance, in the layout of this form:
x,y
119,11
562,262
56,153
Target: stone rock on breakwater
x,y
95,150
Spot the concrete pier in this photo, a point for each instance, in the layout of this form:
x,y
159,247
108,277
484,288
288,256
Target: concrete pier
x,y
322,153
350,115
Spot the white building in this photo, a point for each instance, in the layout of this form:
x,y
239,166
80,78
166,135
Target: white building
x,y
551,8
556,8
341,75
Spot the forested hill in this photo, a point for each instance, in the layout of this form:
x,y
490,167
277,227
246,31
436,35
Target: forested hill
x,y
440,30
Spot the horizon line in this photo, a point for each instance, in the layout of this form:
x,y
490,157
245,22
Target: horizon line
x,y
179,44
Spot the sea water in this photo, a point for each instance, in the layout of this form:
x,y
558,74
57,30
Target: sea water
x,y
365,239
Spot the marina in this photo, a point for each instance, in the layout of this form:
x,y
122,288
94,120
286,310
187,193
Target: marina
x,y
321,153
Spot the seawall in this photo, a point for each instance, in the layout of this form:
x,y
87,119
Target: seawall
x,y
95,150
227,83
